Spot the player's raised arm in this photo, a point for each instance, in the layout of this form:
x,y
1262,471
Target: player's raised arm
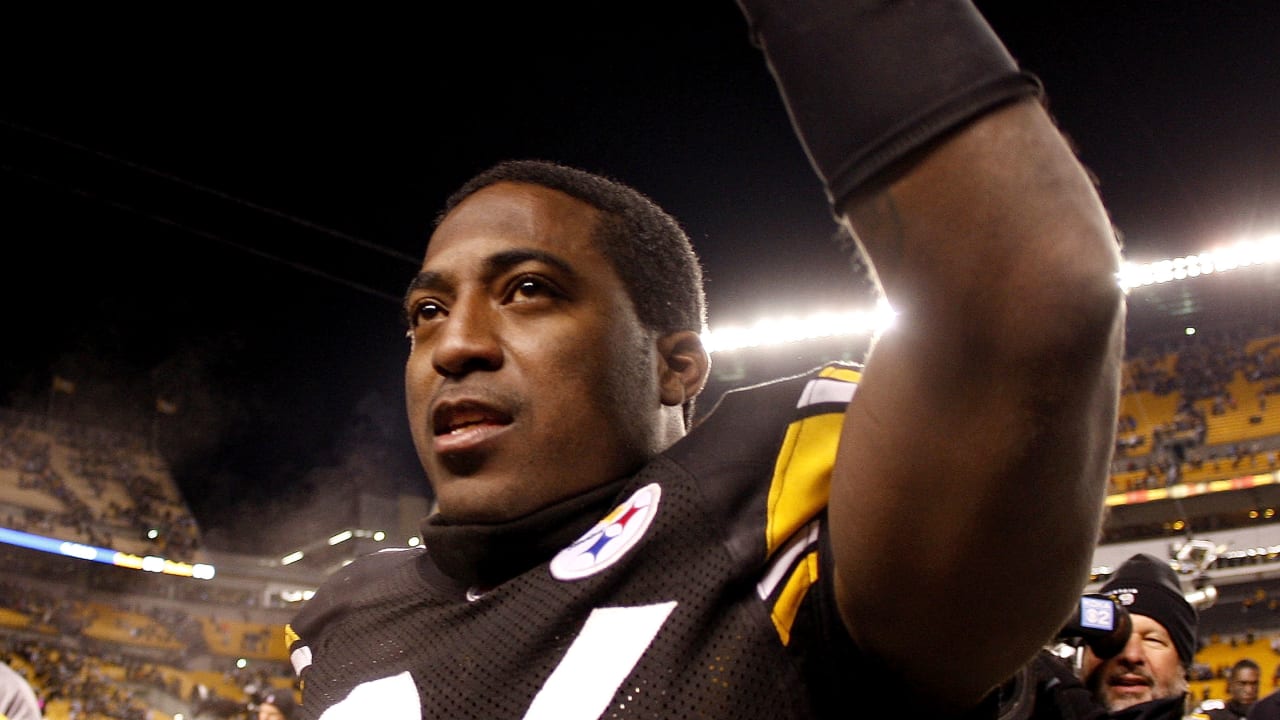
x,y
966,496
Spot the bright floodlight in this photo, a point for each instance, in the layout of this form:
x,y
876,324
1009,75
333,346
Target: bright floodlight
x,y
769,332
1246,253
780,331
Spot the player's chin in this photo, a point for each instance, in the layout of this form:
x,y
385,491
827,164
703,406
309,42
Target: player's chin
x,y
481,498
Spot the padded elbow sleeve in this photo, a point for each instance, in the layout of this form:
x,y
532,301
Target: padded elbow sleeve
x,y
867,82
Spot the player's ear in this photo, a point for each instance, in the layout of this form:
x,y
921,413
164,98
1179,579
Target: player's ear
x,y
683,366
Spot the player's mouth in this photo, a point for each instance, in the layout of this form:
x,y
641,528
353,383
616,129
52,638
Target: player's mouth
x,y
465,425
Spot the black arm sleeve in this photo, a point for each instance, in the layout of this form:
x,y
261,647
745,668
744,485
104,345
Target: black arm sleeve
x,y
868,82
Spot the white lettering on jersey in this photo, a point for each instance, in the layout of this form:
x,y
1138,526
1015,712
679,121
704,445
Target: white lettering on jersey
x,y
391,698
602,656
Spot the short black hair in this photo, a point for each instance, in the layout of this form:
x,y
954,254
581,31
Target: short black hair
x,y
646,246
1243,664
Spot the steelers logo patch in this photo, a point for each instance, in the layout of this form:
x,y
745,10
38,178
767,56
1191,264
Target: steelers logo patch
x,y
610,539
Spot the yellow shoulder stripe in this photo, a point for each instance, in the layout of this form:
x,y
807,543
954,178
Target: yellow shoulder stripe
x,y
784,610
802,476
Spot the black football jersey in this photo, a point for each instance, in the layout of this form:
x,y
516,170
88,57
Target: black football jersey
x,y
701,593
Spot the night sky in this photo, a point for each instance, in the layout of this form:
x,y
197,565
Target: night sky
x,y
225,211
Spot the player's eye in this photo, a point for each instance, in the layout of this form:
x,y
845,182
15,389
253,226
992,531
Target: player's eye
x,y
531,287
425,310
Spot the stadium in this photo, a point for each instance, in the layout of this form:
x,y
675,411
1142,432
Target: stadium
x,y
116,610
148,575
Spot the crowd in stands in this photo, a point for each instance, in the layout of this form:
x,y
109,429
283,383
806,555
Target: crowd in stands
x,y
64,616
96,649
103,684
69,614
109,489
1202,366
1219,653
99,685
95,655
1179,391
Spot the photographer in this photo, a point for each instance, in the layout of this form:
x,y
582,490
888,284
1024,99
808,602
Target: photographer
x,y
1146,679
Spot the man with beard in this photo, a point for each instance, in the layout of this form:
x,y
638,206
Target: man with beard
x,y
1144,680
1148,678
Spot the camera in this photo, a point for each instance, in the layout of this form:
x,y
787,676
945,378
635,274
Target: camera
x,y
1099,622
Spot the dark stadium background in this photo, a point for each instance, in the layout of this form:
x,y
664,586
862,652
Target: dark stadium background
x,y
207,223
222,214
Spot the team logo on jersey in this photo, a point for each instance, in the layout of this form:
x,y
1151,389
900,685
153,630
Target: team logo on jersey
x,y
610,539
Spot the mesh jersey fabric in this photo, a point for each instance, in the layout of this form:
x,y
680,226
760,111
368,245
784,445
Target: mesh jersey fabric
x,y
719,609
